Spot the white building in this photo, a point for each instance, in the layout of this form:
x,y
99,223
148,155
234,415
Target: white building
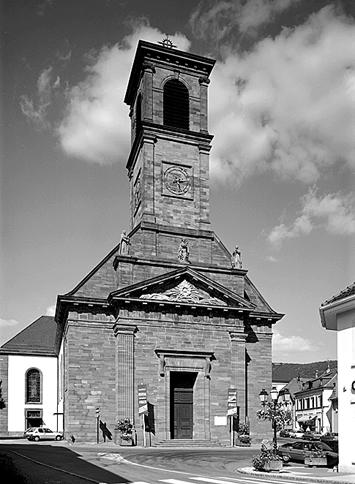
x,y
338,314
29,376
315,405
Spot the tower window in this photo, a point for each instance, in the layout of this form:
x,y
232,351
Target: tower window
x,y
176,104
33,386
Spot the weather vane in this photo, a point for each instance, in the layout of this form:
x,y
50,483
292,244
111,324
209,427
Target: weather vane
x,y
167,43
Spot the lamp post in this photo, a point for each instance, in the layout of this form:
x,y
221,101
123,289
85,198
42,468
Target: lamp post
x,y
278,399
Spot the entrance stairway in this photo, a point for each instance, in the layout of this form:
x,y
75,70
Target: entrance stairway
x,y
174,443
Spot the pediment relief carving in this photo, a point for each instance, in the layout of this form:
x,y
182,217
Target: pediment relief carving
x,y
185,292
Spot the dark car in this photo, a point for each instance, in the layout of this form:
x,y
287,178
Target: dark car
x,y
296,451
308,435
284,433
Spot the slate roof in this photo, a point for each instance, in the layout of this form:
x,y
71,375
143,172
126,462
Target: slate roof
x,y
37,339
349,291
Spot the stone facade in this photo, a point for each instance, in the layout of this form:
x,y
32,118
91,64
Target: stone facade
x,y
188,328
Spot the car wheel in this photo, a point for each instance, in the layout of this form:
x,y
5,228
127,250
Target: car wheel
x,y
36,438
58,437
285,458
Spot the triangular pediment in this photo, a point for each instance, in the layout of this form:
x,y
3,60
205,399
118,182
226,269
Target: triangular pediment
x,y
184,286
185,292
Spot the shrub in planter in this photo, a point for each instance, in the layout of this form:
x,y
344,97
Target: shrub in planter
x,y
244,438
267,460
126,430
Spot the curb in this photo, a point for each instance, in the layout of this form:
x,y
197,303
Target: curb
x,y
249,471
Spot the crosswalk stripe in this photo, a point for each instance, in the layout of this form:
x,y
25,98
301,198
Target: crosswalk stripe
x,y
175,481
209,479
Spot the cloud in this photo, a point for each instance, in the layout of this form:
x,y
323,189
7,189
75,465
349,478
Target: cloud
x,y
286,346
96,126
50,311
217,20
8,322
37,112
288,105
333,212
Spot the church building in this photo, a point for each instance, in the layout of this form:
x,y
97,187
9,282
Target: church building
x,y
169,312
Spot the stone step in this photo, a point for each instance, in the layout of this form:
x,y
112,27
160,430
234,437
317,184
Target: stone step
x,y
187,443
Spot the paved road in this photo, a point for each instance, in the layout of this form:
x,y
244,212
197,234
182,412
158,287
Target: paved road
x,y
55,463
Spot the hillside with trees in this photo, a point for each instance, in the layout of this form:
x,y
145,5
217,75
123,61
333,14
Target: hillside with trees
x,y
286,371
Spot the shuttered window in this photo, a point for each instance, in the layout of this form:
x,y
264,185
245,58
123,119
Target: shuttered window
x,y
176,104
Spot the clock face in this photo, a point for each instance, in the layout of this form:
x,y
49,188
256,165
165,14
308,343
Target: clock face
x,y
177,180
137,194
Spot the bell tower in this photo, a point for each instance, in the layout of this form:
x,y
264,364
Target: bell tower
x,y
168,166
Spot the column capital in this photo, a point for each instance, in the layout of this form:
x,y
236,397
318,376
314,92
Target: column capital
x,y
124,329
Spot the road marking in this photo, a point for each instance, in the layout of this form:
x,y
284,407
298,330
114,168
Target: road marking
x,y
208,479
175,481
250,478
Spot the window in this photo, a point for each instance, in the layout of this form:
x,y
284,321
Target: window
x,y
176,104
33,386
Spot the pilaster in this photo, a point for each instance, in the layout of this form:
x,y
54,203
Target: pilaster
x,y
238,340
124,370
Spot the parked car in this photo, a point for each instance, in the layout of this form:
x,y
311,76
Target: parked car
x,y
284,433
309,435
296,434
44,433
331,440
296,451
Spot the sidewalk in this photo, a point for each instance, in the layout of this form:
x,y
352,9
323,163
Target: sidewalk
x,y
311,474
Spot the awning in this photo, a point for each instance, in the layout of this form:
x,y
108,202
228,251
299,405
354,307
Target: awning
x,y
305,419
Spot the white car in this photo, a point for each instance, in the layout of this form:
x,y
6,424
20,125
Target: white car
x,y
296,434
44,433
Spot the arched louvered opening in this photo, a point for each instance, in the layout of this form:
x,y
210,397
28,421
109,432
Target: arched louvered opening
x,y
33,386
176,104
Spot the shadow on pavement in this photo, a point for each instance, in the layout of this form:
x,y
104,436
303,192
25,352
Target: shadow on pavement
x,y
61,458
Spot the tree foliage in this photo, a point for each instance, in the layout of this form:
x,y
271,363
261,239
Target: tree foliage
x,y
275,412
2,401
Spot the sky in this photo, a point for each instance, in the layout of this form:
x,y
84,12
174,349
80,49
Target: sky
x,y
282,112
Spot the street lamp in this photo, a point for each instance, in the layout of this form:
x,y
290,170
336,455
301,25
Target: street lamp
x,y
282,397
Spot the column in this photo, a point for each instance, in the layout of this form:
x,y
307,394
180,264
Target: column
x,y
147,111
125,370
204,81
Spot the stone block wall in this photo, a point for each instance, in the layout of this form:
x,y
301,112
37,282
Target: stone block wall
x,y
90,381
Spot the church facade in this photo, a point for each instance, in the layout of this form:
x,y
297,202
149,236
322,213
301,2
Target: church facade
x,y
169,309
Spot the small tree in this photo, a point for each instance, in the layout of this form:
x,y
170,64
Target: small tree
x,y
278,414
2,401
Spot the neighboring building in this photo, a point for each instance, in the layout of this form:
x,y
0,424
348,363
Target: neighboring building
x,y
338,314
314,404
28,370
293,386
169,307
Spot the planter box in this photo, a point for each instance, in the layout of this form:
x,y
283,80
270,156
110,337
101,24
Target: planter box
x,y
273,465
127,439
315,461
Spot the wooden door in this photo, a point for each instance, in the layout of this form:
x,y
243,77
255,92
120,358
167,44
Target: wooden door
x,y
183,413
181,401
